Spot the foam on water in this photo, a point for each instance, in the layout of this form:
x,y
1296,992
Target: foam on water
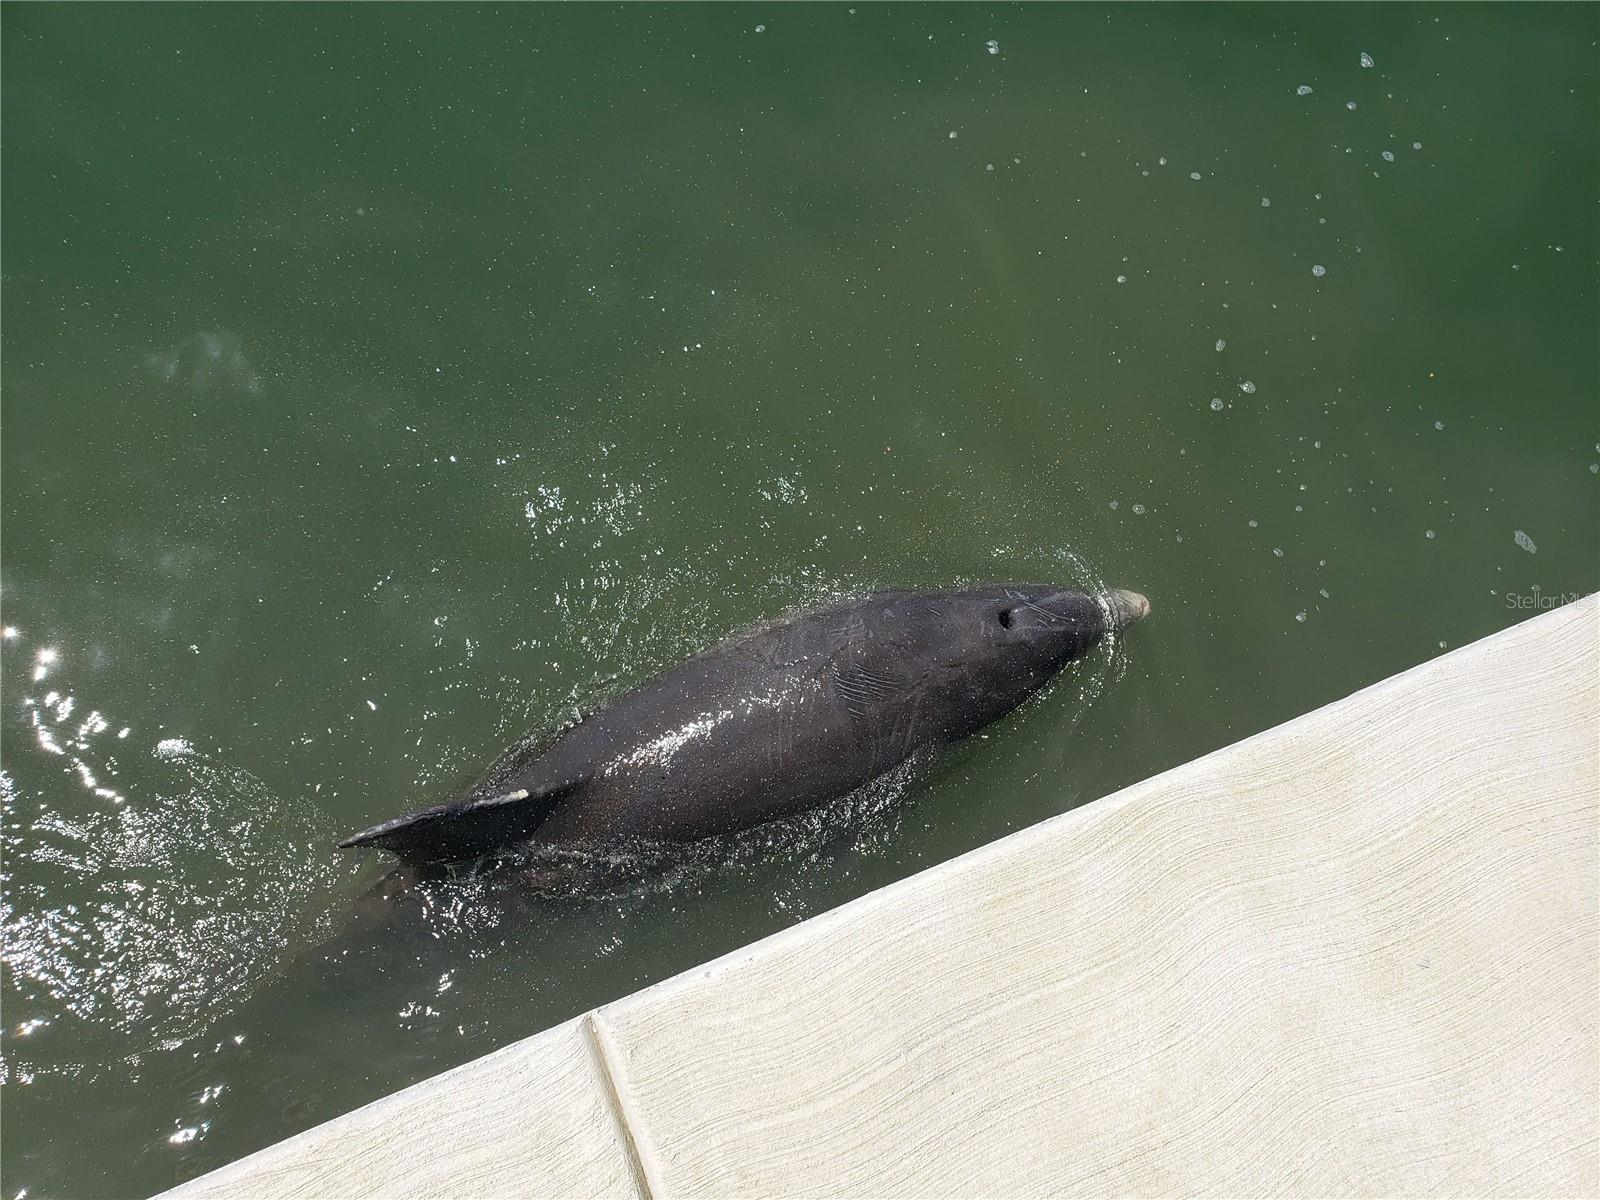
x,y
110,919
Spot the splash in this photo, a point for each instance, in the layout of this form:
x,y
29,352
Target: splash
x,y
153,896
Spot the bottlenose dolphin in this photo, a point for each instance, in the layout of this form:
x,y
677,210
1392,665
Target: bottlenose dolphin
x,y
770,722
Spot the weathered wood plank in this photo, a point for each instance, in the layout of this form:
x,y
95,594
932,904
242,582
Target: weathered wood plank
x,y
532,1119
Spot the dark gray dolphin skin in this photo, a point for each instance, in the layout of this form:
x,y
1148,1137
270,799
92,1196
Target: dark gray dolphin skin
x,y
771,722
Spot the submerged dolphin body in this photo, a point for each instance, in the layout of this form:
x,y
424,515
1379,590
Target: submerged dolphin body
x,y
771,722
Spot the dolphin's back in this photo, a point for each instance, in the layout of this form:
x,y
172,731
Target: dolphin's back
x,y
761,726
765,724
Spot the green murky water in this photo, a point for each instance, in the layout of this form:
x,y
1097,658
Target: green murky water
x,y
382,383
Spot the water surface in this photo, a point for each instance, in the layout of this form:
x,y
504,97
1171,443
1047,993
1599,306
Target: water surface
x,y
380,384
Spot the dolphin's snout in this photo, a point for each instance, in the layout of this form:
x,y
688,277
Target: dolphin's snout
x,y
1126,607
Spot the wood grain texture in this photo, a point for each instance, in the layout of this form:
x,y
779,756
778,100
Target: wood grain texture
x,y
1354,955
530,1120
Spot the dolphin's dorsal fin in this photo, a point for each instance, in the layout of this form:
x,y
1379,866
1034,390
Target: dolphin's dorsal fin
x,y
503,798
466,828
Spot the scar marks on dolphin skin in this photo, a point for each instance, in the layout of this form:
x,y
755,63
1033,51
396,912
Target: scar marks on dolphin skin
x,y
780,750
908,738
794,647
860,687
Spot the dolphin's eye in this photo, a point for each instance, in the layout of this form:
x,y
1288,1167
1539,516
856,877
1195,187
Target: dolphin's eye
x,y
1004,617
